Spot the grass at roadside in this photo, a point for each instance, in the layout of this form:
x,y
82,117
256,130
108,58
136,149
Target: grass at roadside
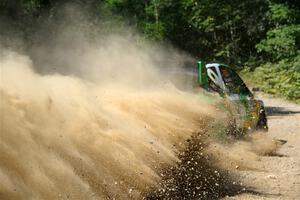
x,y
275,80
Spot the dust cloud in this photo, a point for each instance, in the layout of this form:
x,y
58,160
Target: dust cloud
x,y
88,116
102,132
244,154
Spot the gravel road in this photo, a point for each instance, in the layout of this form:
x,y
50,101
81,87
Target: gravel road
x,y
279,177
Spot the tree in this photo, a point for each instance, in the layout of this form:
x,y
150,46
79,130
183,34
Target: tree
x,y
283,40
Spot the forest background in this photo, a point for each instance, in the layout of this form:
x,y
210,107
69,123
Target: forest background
x,y
260,38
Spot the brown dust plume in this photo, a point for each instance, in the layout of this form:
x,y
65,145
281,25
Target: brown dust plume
x,y
65,137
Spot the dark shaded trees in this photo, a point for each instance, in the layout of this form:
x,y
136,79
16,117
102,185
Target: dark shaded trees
x,y
248,32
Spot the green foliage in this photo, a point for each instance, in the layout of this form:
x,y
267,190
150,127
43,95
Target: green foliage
x,y
283,40
213,30
225,30
154,31
281,43
254,33
281,14
280,50
279,79
30,6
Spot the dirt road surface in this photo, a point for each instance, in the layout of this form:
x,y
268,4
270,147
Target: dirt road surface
x,y
280,174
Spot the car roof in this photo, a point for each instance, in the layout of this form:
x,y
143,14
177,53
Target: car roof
x,y
215,65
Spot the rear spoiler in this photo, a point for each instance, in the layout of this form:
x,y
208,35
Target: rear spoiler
x,y
202,75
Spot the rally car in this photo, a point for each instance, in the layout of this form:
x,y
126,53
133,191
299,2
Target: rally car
x,y
224,80
247,112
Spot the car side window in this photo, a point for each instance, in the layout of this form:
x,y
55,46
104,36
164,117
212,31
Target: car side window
x,y
233,82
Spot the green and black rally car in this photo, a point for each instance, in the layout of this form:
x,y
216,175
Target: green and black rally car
x,y
246,110
224,80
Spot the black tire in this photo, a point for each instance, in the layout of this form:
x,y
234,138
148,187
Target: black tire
x,y
262,123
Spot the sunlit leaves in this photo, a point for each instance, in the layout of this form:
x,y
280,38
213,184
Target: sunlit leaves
x,y
281,42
